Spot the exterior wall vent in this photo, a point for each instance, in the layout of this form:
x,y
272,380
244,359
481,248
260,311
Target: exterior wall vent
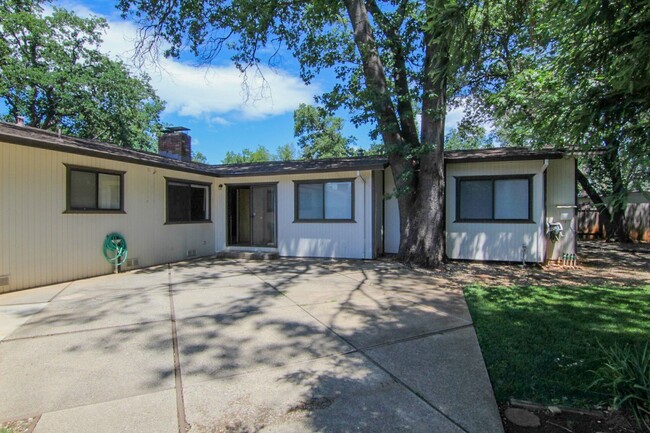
x,y
132,263
191,253
4,280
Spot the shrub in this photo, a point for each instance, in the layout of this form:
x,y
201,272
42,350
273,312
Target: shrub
x,y
625,373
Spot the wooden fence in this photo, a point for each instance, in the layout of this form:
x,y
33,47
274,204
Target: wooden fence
x,y
636,214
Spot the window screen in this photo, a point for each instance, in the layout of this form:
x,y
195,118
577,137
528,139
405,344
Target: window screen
x,y
310,201
93,190
322,201
187,202
493,199
475,199
83,190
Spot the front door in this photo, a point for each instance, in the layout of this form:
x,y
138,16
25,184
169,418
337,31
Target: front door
x,y
252,215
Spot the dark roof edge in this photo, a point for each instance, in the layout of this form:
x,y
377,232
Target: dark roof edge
x,y
520,154
49,145
207,170
305,171
48,140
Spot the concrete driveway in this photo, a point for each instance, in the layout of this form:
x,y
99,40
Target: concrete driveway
x,y
220,345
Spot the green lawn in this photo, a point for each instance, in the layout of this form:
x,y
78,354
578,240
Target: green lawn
x,y
540,344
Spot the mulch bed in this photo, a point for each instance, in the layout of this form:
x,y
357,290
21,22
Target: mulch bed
x,y
566,422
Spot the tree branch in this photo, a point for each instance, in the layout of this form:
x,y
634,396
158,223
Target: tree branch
x,y
404,106
374,74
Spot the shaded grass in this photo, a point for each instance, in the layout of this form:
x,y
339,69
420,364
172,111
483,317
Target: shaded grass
x,y
541,344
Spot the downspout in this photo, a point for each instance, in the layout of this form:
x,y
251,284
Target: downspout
x,y
543,174
364,213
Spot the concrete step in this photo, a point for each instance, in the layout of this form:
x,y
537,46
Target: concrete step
x,y
248,255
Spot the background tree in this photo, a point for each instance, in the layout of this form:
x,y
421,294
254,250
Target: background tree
x,y
583,84
261,154
320,134
394,61
468,136
286,152
199,157
52,73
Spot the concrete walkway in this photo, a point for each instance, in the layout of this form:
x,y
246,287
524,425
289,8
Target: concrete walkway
x,y
233,346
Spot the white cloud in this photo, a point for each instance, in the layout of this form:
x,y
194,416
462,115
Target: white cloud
x,y
454,116
216,93
217,120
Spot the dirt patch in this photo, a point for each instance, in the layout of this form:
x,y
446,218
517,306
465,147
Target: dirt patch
x,y
565,422
598,263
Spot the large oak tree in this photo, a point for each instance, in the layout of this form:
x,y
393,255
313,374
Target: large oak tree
x,y
53,74
397,64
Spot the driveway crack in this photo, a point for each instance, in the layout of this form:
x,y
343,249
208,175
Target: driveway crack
x,y
183,426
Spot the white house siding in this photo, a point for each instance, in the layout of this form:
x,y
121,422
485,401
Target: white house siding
x,y
42,245
496,241
378,212
560,202
318,239
391,214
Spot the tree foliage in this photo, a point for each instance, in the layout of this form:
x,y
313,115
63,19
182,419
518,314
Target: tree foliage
x,y
261,154
395,62
582,83
53,74
320,134
286,152
199,157
469,136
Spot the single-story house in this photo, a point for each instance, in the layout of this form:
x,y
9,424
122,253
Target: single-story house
x,y
61,196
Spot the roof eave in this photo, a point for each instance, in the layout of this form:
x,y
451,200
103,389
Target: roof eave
x,y
49,145
303,171
503,158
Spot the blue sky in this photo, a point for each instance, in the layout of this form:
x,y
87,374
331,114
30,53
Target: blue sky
x,y
210,100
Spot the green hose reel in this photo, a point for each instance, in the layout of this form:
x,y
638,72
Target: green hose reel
x,y
115,250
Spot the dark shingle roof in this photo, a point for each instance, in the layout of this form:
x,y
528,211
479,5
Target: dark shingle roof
x,y
35,137
50,140
501,154
294,167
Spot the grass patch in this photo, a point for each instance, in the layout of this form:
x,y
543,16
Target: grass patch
x,y
542,344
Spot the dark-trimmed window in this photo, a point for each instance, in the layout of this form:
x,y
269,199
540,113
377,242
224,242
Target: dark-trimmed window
x,y
331,200
499,199
187,202
94,190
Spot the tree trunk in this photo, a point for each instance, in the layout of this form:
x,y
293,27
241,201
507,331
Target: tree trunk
x,y
422,230
610,225
619,193
419,181
422,218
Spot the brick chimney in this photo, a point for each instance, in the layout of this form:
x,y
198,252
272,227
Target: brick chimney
x,y
175,143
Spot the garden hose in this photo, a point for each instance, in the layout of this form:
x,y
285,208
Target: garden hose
x,y
115,250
